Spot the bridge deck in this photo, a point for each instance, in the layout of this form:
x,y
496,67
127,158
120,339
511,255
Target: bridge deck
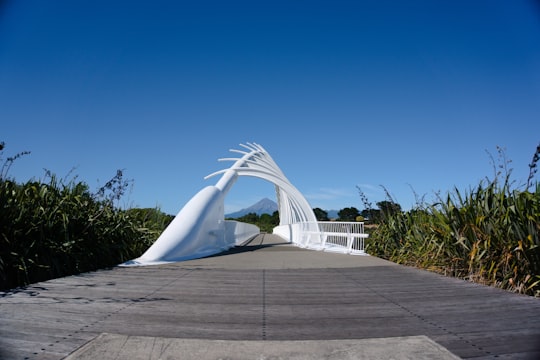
x,y
264,293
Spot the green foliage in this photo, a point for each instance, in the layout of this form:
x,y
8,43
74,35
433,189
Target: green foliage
x,y
150,221
265,222
53,228
348,214
489,234
320,214
388,208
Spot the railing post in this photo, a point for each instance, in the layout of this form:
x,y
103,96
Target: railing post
x,y
350,239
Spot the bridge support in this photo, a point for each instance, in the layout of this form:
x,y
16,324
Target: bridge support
x,y
200,230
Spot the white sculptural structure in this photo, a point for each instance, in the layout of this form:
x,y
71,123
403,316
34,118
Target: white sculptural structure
x,y
200,229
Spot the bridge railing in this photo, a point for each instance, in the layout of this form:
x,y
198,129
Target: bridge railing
x,y
338,236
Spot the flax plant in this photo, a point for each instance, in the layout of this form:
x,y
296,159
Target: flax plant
x,y
489,234
54,227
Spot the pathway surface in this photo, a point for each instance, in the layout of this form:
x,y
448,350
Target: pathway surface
x,y
267,300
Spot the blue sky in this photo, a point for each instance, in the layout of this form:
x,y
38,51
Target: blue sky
x,y
410,95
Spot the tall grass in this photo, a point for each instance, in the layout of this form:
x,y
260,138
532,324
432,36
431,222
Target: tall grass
x,y
489,234
54,227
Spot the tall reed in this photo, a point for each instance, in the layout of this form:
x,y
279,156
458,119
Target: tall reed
x,y
54,227
489,234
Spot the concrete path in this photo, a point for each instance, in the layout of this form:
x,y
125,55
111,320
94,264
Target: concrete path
x,y
267,300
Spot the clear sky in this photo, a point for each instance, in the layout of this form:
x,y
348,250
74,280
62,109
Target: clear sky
x,y
411,95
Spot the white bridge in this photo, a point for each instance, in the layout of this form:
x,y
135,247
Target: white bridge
x,y
200,229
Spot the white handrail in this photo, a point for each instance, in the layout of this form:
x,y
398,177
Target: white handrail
x,y
338,236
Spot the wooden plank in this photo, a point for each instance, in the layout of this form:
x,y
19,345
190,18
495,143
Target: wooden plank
x,y
271,299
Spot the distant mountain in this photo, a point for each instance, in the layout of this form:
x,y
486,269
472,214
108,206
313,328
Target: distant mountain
x,y
332,214
265,206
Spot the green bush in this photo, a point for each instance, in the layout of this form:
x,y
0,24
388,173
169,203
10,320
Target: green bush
x,y
490,234
52,228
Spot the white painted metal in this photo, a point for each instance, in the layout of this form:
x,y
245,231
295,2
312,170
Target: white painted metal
x,y
292,205
200,230
343,237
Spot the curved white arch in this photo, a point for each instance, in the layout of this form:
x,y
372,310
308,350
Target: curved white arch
x,y
200,230
292,205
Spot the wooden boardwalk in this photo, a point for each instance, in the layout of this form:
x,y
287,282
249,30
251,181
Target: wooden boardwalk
x,y
269,293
